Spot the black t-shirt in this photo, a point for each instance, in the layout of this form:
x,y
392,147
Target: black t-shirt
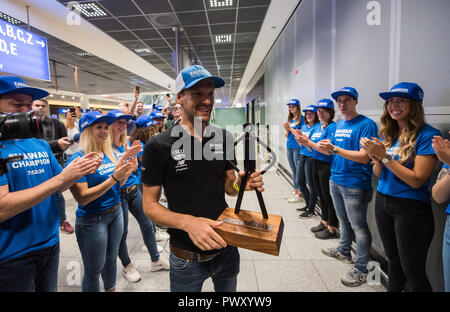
x,y
192,173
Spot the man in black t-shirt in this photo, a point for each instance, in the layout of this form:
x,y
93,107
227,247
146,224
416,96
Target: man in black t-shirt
x,y
191,161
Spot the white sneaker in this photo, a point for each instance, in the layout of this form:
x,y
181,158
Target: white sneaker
x,y
294,199
290,196
131,274
161,264
160,249
161,235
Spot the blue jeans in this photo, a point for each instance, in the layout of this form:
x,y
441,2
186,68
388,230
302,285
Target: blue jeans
x,y
351,210
188,276
293,157
98,237
35,271
301,178
446,254
61,206
133,202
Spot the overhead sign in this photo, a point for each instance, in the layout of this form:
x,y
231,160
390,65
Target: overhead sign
x,y
23,53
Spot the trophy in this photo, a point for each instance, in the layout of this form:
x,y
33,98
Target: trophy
x,y
256,231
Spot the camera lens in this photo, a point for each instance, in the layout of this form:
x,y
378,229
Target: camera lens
x,y
20,126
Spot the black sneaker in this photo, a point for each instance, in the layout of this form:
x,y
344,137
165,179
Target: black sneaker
x,y
306,215
301,209
318,228
325,234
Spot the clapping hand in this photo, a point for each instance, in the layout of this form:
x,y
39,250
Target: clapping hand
x,y
442,149
375,148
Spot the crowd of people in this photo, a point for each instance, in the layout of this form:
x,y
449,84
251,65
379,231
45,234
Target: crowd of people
x,y
127,161
335,163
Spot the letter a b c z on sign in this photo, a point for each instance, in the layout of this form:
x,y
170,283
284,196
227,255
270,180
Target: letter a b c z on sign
x,y
374,16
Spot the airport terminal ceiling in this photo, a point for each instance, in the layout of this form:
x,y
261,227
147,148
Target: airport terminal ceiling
x,y
219,35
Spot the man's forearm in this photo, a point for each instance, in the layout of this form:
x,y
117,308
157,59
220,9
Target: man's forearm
x,y
14,203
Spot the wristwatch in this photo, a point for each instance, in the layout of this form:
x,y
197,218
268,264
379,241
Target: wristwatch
x,y
386,159
335,150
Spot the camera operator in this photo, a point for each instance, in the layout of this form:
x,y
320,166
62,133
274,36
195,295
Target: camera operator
x,y
55,134
29,216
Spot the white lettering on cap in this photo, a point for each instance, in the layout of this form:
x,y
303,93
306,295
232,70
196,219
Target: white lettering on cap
x,y
198,72
84,124
20,84
323,103
402,90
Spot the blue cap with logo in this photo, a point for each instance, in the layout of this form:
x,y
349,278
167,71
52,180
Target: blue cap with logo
x,y
144,121
408,90
325,103
192,75
293,102
16,85
345,91
156,114
118,114
94,117
159,107
310,108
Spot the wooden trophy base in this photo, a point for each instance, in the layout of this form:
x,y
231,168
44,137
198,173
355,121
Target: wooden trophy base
x,y
249,230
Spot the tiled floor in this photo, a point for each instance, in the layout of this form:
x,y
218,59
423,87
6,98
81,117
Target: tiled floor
x,y
300,266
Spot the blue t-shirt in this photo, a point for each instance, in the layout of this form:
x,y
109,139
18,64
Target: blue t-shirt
x,y
38,227
139,168
448,206
347,136
308,130
322,134
107,200
134,177
390,184
291,142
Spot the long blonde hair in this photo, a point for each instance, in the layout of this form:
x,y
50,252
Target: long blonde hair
x,y
123,136
87,143
390,132
297,115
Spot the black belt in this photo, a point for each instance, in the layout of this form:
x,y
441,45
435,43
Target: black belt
x,y
190,255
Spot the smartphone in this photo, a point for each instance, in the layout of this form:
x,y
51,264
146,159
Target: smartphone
x,y
70,141
173,108
137,89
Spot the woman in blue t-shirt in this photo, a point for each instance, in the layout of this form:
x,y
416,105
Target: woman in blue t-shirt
x,y
441,194
295,121
131,199
99,224
321,169
305,174
404,162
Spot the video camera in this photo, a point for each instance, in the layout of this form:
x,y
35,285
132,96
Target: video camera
x,y
20,126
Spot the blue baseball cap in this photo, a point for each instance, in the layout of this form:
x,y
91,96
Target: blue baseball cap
x,y
408,90
345,91
156,114
293,102
118,114
16,85
325,103
94,117
310,108
192,75
144,121
159,107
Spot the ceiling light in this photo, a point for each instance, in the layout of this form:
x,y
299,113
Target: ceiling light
x,y
10,19
143,51
84,54
223,38
90,9
220,3
218,101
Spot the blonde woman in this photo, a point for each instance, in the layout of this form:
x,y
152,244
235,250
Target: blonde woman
x,y
131,199
99,224
404,161
295,121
